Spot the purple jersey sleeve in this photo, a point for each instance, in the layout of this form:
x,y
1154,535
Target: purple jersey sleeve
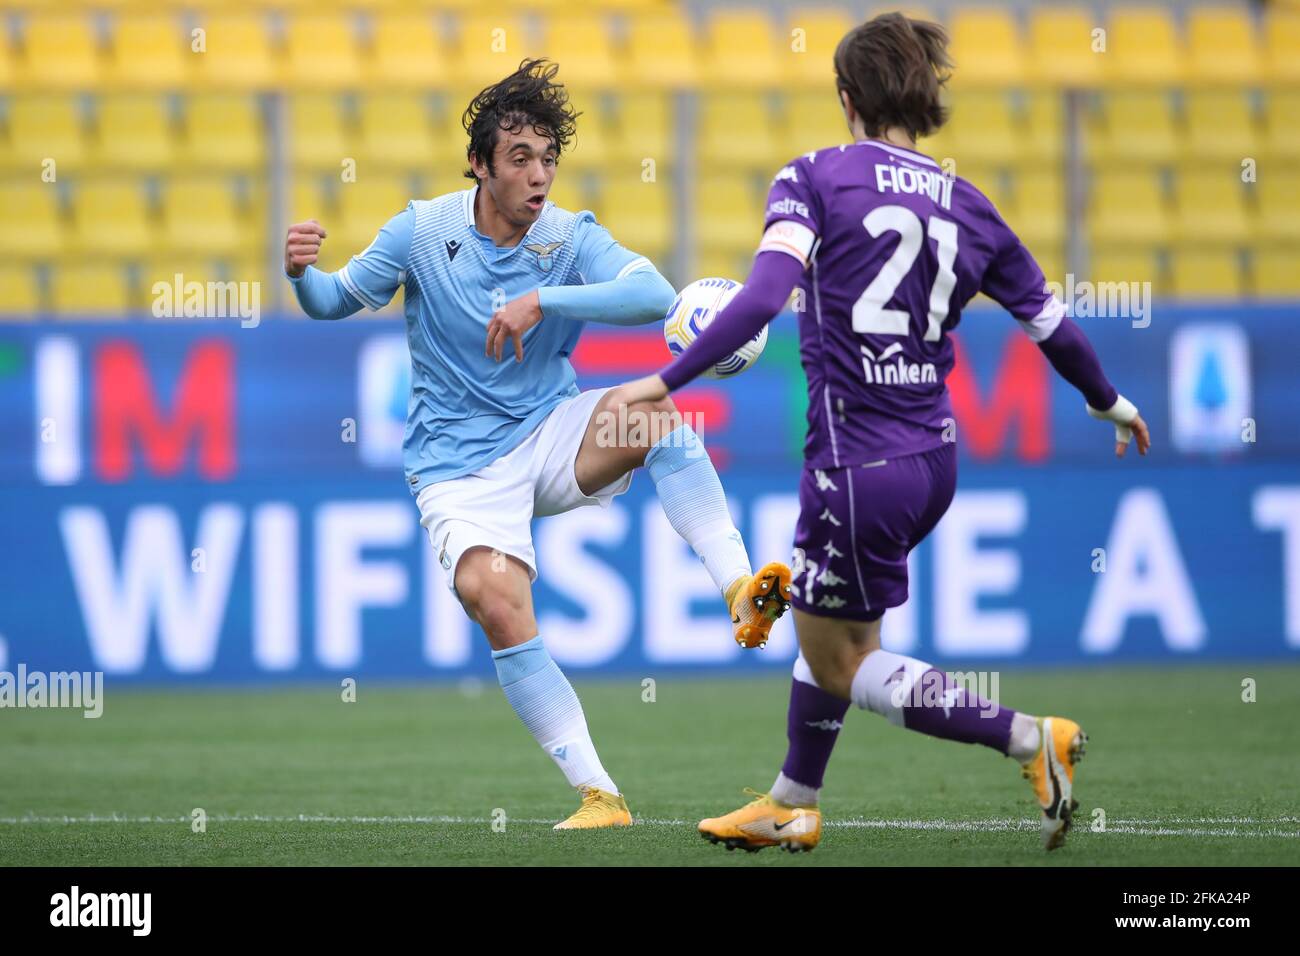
x,y
793,198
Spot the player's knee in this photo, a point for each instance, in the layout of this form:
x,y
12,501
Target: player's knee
x,y
500,613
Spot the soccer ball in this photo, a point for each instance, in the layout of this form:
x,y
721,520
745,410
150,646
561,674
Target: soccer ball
x,y
691,313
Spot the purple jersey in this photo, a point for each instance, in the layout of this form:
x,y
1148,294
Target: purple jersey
x,y
894,250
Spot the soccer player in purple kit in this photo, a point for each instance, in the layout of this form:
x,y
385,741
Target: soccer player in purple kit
x,y
887,249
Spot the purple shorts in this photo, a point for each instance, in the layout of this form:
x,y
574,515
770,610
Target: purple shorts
x,y
857,525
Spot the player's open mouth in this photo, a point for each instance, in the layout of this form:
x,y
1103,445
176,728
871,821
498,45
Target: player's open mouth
x,y
536,202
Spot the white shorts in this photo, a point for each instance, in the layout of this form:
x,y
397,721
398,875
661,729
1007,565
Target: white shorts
x,y
494,507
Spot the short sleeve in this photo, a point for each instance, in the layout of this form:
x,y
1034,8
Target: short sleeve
x,y
598,256
1015,281
791,223
373,276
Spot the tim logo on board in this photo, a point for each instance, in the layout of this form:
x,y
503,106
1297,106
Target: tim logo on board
x,y
1209,387
383,387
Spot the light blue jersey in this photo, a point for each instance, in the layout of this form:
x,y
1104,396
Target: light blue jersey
x,y
466,409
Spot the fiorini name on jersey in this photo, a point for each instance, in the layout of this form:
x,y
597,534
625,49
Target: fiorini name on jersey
x,y
905,179
900,372
786,207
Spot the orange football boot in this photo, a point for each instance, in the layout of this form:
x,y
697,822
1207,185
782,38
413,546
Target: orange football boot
x,y
1051,773
757,601
764,822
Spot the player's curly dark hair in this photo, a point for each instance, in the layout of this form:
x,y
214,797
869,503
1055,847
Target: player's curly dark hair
x,y
893,69
527,97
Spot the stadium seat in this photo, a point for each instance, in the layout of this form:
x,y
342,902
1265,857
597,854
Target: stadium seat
x,y
1127,206
407,53
31,226
589,148
982,128
1273,271
1277,205
734,130
237,53
581,45
1142,47
1038,211
728,263
1207,273
568,190
640,217
1128,264
1061,47
729,213
1221,46
90,290
489,47
643,128
1220,125
44,127
111,218
364,207
662,52
1282,46
321,51
1211,206
148,52
814,121
1043,135
318,138
742,52
1132,127
60,52
164,267
396,131
987,48
1281,140
199,216
810,63
135,133
223,131
20,292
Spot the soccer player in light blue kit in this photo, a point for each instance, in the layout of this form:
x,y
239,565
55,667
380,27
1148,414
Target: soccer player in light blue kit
x,y
489,443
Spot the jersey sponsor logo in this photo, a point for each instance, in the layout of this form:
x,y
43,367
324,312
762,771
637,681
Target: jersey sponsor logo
x,y
786,172
545,252
880,371
453,247
784,207
905,179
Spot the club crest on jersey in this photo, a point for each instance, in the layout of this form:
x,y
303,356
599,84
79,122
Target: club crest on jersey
x,y
453,247
545,252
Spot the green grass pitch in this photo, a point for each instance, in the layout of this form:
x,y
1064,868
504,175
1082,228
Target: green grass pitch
x,y
1186,772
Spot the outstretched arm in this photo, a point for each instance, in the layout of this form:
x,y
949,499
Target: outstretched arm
x,y
369,279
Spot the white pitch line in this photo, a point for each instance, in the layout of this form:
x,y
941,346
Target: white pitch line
x,y
1208,826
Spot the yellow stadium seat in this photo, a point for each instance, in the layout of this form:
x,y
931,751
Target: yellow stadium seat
x,y
60,52
200,216
1142,47
111,219
644,129
812,37
735,130
20,292
1062,47
662,52
8,57
44,129
364,207
581,45
1135,126
1125,264
321,52
450,138
589,147
568,190
1038,212
223,131
318,138
1281,141
90,290
1211,206
1274,272
1282,46
1207,273
1277,205
815,121
236,52
1051,259
31,226
729,214
1127,206
1043,137
135,133
987,47
639,215
407,53
490,47
148,52
1220,125
310,197
164,267
982,128
396,131
989,179
741,51
1221,46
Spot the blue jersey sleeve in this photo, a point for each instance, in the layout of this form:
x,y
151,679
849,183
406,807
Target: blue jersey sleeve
x,y
375,275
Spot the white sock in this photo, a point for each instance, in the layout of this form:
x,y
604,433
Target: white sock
x,y
792,793
1025,738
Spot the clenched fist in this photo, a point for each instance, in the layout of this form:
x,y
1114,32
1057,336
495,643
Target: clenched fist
x,y
302,246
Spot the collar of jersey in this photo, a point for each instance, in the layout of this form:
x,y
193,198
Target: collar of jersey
x,y
902,151
491,251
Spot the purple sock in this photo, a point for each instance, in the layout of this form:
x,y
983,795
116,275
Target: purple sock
x,y
940,707
814,722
